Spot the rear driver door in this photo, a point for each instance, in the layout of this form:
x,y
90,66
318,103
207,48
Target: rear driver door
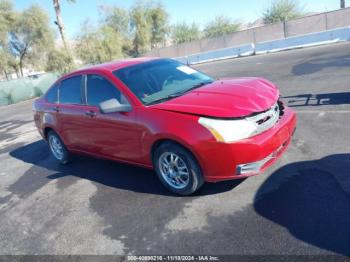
x,y
71,114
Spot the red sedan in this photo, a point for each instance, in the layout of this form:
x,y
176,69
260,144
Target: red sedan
x,y
161,114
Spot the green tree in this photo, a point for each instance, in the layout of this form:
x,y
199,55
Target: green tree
x,y
98,45
182,32
119,20
146,25
159,25
221,25
30,38
116,18
59,60
7,19
141,29
4,63
282,11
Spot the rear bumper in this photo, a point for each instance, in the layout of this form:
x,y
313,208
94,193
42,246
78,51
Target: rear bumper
x,y
222,161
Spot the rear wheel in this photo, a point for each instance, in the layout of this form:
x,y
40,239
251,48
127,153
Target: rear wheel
x,y
57,148
177,169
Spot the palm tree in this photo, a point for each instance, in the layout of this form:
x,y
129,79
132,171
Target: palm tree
x,y
59,21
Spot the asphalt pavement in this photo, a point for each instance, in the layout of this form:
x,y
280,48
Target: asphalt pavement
x,y
94,206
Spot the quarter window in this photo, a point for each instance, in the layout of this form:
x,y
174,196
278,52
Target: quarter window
x,y
99,89
52,94
70,91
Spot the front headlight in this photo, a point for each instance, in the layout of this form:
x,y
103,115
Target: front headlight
x,y
229,130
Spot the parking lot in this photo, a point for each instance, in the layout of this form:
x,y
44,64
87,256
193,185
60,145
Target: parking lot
x,y
94,206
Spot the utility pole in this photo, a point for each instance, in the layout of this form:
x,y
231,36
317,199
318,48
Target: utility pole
x,y
342,3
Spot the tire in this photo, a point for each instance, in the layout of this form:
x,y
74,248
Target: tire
x,y
56,142
175,178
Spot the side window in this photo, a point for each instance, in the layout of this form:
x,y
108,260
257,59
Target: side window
x,y
70,91
52,94
99,89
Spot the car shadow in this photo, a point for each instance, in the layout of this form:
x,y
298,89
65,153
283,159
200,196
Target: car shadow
x,y
315,65
105,172
317,99
312,200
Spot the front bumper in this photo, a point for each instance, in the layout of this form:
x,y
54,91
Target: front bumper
x,y
248,157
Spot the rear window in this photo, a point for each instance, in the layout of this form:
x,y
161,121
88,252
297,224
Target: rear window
x,y
70,91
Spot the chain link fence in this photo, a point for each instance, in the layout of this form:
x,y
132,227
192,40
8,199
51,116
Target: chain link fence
x,y
25,88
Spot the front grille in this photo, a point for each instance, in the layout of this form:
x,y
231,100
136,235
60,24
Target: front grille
x,y
281,107
267,119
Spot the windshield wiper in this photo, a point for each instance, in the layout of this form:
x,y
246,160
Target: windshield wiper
x,y
157,101
163,99
190,89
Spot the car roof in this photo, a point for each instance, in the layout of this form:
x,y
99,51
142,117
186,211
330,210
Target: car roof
x,y
115,65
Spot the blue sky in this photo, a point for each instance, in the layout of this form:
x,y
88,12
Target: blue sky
x,y
199,11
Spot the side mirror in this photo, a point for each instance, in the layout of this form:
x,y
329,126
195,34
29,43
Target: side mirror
x,y
113,106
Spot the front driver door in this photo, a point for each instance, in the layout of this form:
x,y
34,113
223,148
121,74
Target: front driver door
x,y
113,135
71,115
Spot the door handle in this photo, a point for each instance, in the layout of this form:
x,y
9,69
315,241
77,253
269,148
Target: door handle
x,y
90,113
56,109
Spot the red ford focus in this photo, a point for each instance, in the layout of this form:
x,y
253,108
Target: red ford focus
x,y
161,114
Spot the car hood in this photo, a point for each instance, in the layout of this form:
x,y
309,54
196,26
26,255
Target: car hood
x,y
225,98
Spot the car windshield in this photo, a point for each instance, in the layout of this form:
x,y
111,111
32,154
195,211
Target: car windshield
x,y
160,80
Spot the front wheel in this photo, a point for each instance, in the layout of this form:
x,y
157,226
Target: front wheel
x,y
57,148
177,169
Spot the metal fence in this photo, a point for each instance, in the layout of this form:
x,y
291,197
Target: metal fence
x,y
302,26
